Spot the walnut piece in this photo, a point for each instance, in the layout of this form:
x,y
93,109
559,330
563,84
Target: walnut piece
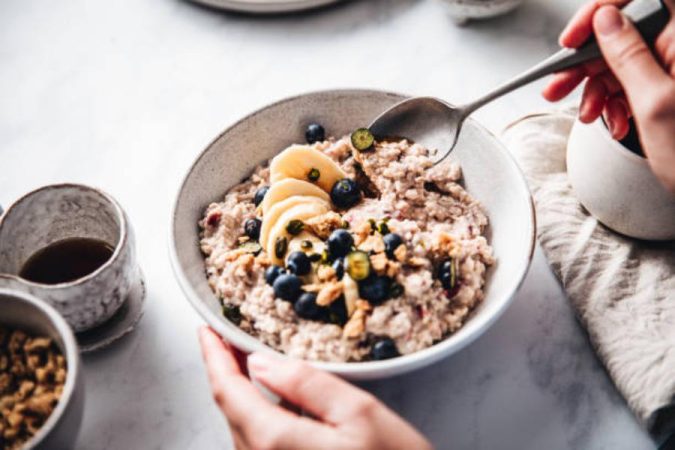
x,y
32,376
329,293
325,224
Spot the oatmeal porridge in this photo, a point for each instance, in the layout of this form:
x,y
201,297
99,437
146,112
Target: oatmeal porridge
x,y
348,249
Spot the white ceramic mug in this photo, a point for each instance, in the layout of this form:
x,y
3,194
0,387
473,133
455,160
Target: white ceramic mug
x,y
617,186
63,211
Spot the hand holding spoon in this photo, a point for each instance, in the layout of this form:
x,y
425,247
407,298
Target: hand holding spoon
x,y
436,124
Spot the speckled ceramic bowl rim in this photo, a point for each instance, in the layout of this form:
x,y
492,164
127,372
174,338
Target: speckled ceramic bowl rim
x,y
360,370
121,242
72,360
613,143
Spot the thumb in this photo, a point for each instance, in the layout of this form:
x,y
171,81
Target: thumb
x,y
627,54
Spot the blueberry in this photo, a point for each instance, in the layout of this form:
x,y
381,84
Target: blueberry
x,y
340,243
287,287
272,273
339,267
447,274
315,133
260,195
385,348
307,308
337,312
375,289
298,263
345,193
252,228
391,243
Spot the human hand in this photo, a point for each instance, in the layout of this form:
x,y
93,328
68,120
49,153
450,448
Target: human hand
x,y
628,81
345,416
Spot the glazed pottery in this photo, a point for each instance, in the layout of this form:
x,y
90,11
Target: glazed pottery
x,y
490,175
617,186
63,211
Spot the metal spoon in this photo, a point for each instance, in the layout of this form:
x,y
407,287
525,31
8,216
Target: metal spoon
x,y
436,124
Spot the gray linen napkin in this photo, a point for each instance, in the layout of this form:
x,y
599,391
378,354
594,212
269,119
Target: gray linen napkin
x,y
623,290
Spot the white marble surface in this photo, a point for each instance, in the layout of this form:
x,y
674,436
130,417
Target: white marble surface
x,y
124,94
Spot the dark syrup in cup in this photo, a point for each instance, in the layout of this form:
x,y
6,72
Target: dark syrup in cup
x,y
66,260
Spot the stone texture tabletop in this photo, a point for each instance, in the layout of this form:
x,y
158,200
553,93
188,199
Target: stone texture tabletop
x,y
124,94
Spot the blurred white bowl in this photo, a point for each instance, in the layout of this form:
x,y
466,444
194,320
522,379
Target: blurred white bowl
x,y
463,10
617,186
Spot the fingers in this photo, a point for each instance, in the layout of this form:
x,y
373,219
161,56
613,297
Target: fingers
x,y
563,83
616,116
323,395
255,422
596,92
627,55
593,100
665,46
580,28
239,400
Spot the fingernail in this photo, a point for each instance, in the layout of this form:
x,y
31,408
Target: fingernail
x,y
608,20
259,362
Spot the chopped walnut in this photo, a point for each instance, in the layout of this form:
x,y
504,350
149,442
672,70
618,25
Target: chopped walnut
x,y
244,265
379,262
362,232
416,261
372,243
400,253
385,266
357,322
446,245
32,375
326,273
325,224
329,293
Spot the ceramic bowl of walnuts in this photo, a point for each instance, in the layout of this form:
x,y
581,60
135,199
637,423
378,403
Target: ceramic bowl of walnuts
x,y
41,386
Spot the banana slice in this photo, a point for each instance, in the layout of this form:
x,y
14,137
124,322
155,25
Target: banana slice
x,y
302,212
298,160
273,214
295,244
351,293
289,187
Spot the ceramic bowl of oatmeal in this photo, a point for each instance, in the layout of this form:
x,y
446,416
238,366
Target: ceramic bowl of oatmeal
x,y
297,231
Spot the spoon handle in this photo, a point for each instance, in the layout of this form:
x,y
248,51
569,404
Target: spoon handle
x,y
649,16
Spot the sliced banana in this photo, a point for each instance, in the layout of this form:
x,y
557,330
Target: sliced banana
x,y
278,209
351,293
295,244
289,187
302,212
298,160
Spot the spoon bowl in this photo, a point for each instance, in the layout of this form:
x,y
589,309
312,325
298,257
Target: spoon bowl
x,y
436,124
428,121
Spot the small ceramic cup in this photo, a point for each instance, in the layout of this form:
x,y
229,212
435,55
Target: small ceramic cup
x,y
617,186
57,212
